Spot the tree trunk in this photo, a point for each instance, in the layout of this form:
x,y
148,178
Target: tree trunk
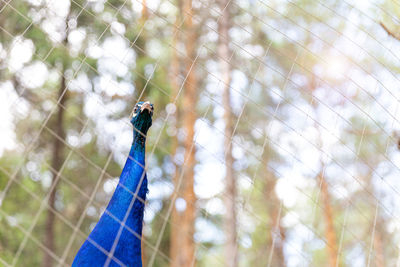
x,y
145,12
279,236
176,217
330,233
187,247
144,255
143,19
56,163
231,255
276,240
378,245
140,50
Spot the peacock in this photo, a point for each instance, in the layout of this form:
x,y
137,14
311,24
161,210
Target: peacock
x,y
116,238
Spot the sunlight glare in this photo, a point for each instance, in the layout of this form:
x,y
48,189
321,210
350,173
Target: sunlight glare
x,y
336,67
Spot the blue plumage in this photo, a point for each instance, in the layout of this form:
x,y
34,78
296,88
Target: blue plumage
x,y
110,243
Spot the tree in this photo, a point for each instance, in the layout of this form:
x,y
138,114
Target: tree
x,y
186,256
224,54
176,238
325,196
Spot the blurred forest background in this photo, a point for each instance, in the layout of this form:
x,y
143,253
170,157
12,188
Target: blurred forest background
x,y
274,139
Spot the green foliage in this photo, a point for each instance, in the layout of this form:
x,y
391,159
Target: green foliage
x,y
282,91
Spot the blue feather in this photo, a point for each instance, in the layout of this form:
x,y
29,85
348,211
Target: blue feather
x,y
123,206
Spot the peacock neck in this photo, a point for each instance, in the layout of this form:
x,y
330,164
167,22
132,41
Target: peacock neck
x,y
126,208
137,153
134,168
138,144
132,190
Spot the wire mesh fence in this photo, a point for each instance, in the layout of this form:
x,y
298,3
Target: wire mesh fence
x,y
313,98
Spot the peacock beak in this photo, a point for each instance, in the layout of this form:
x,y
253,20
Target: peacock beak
x,y
147,106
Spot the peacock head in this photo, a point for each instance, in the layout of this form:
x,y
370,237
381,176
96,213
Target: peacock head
x,y
141,117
